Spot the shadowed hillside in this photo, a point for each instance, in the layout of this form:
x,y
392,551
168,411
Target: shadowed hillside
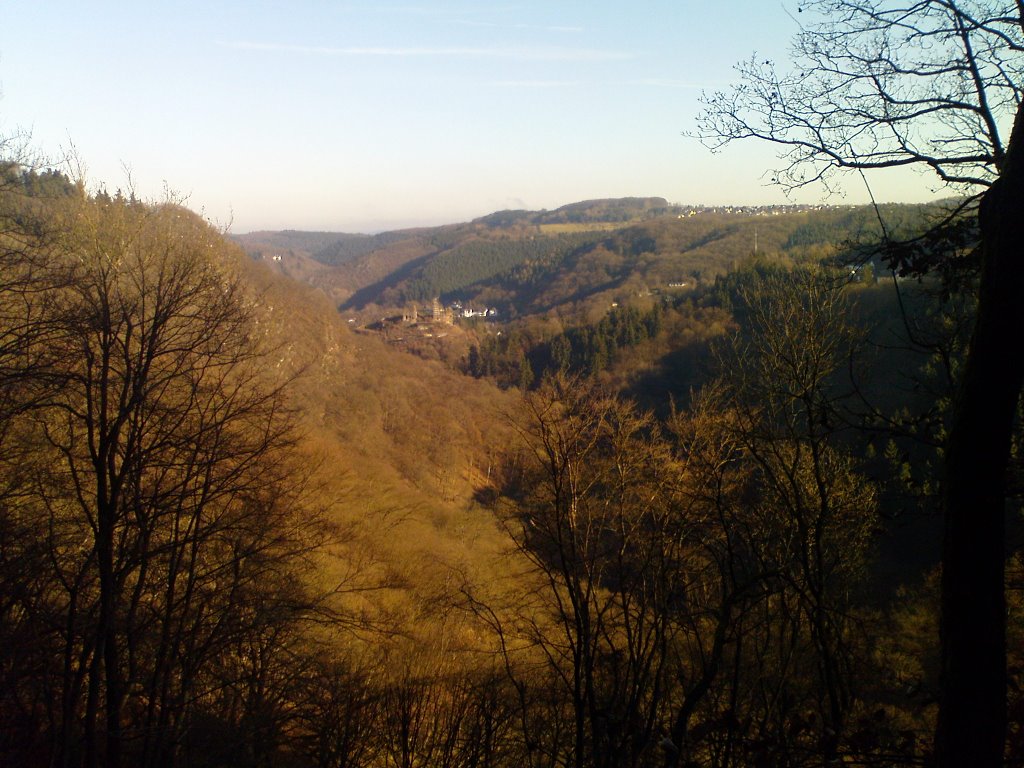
x,y
527,263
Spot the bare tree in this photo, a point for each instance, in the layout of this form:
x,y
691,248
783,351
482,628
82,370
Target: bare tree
x,y
639,549
935,85
30,270
27,271
593,514
810,510
338,709
170,519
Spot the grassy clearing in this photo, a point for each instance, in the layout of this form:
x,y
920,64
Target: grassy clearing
x,y
583,226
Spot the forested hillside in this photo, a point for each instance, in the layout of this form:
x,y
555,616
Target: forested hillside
x,y
525,262
635,304
623,522
199,459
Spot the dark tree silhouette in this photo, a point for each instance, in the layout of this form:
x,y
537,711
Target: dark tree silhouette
x,y
934,85
153,524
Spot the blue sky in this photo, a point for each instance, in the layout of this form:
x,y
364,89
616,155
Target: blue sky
x,y
369,115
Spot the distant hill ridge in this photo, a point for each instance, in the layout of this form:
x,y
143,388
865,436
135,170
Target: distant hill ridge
x,y
612,210
528,262
337,247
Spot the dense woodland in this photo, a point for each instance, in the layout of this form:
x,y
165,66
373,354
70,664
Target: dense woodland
x,y
709,487
695,528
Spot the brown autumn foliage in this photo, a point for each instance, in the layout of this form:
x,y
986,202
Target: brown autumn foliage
x,y
235,532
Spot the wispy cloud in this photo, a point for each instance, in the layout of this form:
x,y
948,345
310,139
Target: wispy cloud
x,y
664,82
496,25
531,53
481,24
534,83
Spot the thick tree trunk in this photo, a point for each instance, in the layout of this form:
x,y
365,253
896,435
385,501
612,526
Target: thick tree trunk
x,y
971,728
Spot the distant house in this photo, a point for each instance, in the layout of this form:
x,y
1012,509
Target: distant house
x,y
468,312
